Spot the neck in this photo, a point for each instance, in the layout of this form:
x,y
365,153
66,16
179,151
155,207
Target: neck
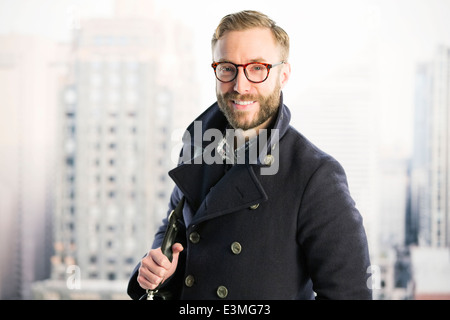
x,y
242,136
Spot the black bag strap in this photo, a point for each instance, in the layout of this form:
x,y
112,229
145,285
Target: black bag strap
x,y
178,211
173,226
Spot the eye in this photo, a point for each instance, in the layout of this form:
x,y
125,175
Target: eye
x,y
257,67
226,68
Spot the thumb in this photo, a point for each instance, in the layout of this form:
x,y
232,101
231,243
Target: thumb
x,y
177,248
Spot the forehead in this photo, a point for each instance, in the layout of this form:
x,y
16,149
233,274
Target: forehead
x,y
247,45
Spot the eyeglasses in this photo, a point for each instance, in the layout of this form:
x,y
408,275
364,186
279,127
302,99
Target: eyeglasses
x,y
255,72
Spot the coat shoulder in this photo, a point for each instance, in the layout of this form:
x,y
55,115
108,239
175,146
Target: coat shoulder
x,y
302,152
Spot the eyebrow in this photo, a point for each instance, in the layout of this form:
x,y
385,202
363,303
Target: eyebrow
x,y
259,59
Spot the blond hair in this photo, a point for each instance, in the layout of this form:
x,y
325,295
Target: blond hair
x,y
249,19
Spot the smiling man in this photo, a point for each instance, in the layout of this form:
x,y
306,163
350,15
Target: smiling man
x,y
292,234
249,99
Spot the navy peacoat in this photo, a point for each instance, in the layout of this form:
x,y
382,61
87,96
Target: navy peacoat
x,y
295,234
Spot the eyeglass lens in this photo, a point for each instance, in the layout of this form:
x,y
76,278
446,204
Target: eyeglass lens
x,y
254,72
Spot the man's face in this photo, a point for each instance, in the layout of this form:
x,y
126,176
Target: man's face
x,y
246,104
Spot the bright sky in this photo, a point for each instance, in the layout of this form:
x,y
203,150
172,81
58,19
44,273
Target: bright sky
x,y
324,34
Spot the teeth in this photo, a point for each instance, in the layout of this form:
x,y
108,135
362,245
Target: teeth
x,y
244,103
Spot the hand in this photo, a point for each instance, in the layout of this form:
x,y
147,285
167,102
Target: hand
x,y
156,267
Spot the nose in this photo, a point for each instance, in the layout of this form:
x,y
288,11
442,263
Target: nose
x,y
241,83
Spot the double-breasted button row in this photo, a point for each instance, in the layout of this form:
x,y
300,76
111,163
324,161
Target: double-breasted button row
x,y
222,291
236,248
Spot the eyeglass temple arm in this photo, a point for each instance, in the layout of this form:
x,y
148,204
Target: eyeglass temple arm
x,y
276,64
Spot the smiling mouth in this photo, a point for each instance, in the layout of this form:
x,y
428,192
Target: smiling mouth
x,y
243,103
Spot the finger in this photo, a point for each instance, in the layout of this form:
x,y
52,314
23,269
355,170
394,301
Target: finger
x,y
159,258
144,284
148,280
148,266
177,248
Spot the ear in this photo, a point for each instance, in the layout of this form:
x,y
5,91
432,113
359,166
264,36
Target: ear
x,y
285,74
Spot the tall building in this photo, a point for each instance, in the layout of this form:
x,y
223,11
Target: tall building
x,y
29,70
430,169
118,108
440,150
429,218
418,227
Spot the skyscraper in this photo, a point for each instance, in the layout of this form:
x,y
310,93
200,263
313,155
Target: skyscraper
x,y
29,69
430,172
440,150
418,229
116,123
429,220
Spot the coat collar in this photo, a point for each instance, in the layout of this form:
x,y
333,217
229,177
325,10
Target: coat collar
x,y
209,192
214,118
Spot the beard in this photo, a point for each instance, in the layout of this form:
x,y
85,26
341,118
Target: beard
x,y
268,107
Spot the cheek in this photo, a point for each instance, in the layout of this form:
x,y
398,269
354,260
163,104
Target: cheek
x,y
224,87
266,88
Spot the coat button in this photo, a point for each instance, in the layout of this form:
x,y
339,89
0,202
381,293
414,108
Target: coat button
x,y
194,237
236,247
222,292
255,206
268,160
189,281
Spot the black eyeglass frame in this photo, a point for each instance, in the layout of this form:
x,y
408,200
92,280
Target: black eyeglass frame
x,y
267,65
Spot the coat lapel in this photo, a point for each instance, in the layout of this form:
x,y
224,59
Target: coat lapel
x,y
238,189
219,194
195,180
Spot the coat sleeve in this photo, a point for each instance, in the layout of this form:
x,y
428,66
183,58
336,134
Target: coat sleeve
x,y
332,235
134,290
174,199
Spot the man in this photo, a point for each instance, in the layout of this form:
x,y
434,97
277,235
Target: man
x,y
250,232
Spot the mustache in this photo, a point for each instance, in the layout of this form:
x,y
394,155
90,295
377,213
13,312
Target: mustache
x,y
240,97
